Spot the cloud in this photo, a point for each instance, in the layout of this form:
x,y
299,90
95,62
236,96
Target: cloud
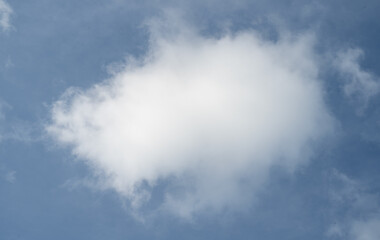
x,y
6,174
366,230
5,13
15,129
201,119
356,211
359,84
10,176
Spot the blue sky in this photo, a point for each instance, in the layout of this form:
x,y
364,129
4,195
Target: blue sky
x,y
189,119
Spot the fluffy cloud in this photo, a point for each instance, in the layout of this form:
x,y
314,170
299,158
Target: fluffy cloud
x,y
5,13
202,119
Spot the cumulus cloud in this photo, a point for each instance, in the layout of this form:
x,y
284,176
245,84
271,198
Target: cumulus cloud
x,y
5,13
204,119
359,84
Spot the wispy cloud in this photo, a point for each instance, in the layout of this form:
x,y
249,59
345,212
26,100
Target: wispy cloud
x,y
5,14
7,174
14,129
208,116
10,176
359,84
366,230
356,210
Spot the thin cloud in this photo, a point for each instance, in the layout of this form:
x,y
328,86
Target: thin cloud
x,y
359,85
7,174
209,117
356,211
366,230
10,176
5,14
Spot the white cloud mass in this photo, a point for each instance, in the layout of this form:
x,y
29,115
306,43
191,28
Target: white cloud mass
x,y
207,116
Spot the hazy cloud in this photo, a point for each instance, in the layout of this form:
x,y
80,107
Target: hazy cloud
x,y
5,13
360,85
366,230
356,210
10,176
208,117
7,174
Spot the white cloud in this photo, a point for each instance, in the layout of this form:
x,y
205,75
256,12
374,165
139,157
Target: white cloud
x,y
5,13
359,84
209,117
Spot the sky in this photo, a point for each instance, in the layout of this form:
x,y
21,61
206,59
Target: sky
x,y
213,119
